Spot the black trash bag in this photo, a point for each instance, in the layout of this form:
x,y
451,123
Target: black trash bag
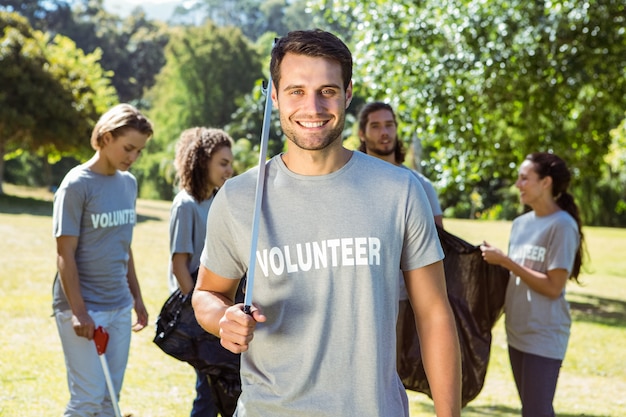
x,y
476,292
222,369
179,335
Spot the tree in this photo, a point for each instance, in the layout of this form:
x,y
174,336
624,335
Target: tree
x,y
484,83
43,15
615,180
208,69
51,93
132,48
247,124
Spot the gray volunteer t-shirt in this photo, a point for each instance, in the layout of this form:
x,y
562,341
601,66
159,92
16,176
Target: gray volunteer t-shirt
x,y
431,193
535,323
433,201
100,210
187,231
328,256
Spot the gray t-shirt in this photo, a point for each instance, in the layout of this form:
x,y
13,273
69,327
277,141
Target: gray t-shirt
x,y
328,256
433,201
187,231
535,323
431,193
100,211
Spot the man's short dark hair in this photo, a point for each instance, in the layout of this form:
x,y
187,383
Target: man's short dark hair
x,y
312,43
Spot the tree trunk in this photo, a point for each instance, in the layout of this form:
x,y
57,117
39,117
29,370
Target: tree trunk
x,y
47,171
2,150
416,144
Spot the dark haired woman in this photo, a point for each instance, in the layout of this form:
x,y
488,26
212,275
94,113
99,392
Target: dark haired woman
x,y
545,250
204,161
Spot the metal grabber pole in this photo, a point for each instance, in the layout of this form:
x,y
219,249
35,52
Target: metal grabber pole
x,y
101,339
258,200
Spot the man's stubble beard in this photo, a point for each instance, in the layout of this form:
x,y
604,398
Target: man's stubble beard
x,y
329,138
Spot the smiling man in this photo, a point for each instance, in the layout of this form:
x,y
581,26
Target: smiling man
x,y
335,226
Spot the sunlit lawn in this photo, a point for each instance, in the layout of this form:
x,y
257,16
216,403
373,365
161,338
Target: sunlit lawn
x,y
592,383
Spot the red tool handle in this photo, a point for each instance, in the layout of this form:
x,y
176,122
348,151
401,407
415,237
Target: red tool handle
x,y
101,339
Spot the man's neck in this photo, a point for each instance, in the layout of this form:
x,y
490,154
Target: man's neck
x,y
320,162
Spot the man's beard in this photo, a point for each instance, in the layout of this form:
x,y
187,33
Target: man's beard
x,y
383,152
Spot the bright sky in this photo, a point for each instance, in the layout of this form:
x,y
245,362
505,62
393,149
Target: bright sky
x,y
140,2
156,9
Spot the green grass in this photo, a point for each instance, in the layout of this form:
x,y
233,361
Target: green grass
x,y
32,373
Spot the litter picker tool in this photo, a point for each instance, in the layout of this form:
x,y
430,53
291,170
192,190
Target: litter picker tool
x,y
101,339
258,200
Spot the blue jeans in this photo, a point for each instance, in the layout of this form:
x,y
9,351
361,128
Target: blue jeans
x,y
203,404
535,378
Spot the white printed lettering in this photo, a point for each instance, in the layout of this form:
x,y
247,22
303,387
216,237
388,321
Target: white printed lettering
x,y
319,254
113,218
304,264
360,251
262,259
277,261
374,251
291,266
333,245
346,252
330,253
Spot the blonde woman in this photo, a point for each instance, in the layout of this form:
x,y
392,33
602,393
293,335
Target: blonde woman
x,y
96,285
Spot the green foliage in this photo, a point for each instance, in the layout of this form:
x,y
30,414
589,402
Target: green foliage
x,y
52,92
480,83
44,15
25,169
244,155
615,162
247,124
36,171
132,48
155,171
483,83
155,175
209,69
90,87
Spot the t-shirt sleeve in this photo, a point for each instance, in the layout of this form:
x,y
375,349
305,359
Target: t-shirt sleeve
x,y
67,211
421,241
433,198
181,229
222,253
564,246
431,193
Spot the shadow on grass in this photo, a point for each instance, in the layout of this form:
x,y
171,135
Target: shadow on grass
x,y
490,410
481,410
10,204
594,309
506,411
